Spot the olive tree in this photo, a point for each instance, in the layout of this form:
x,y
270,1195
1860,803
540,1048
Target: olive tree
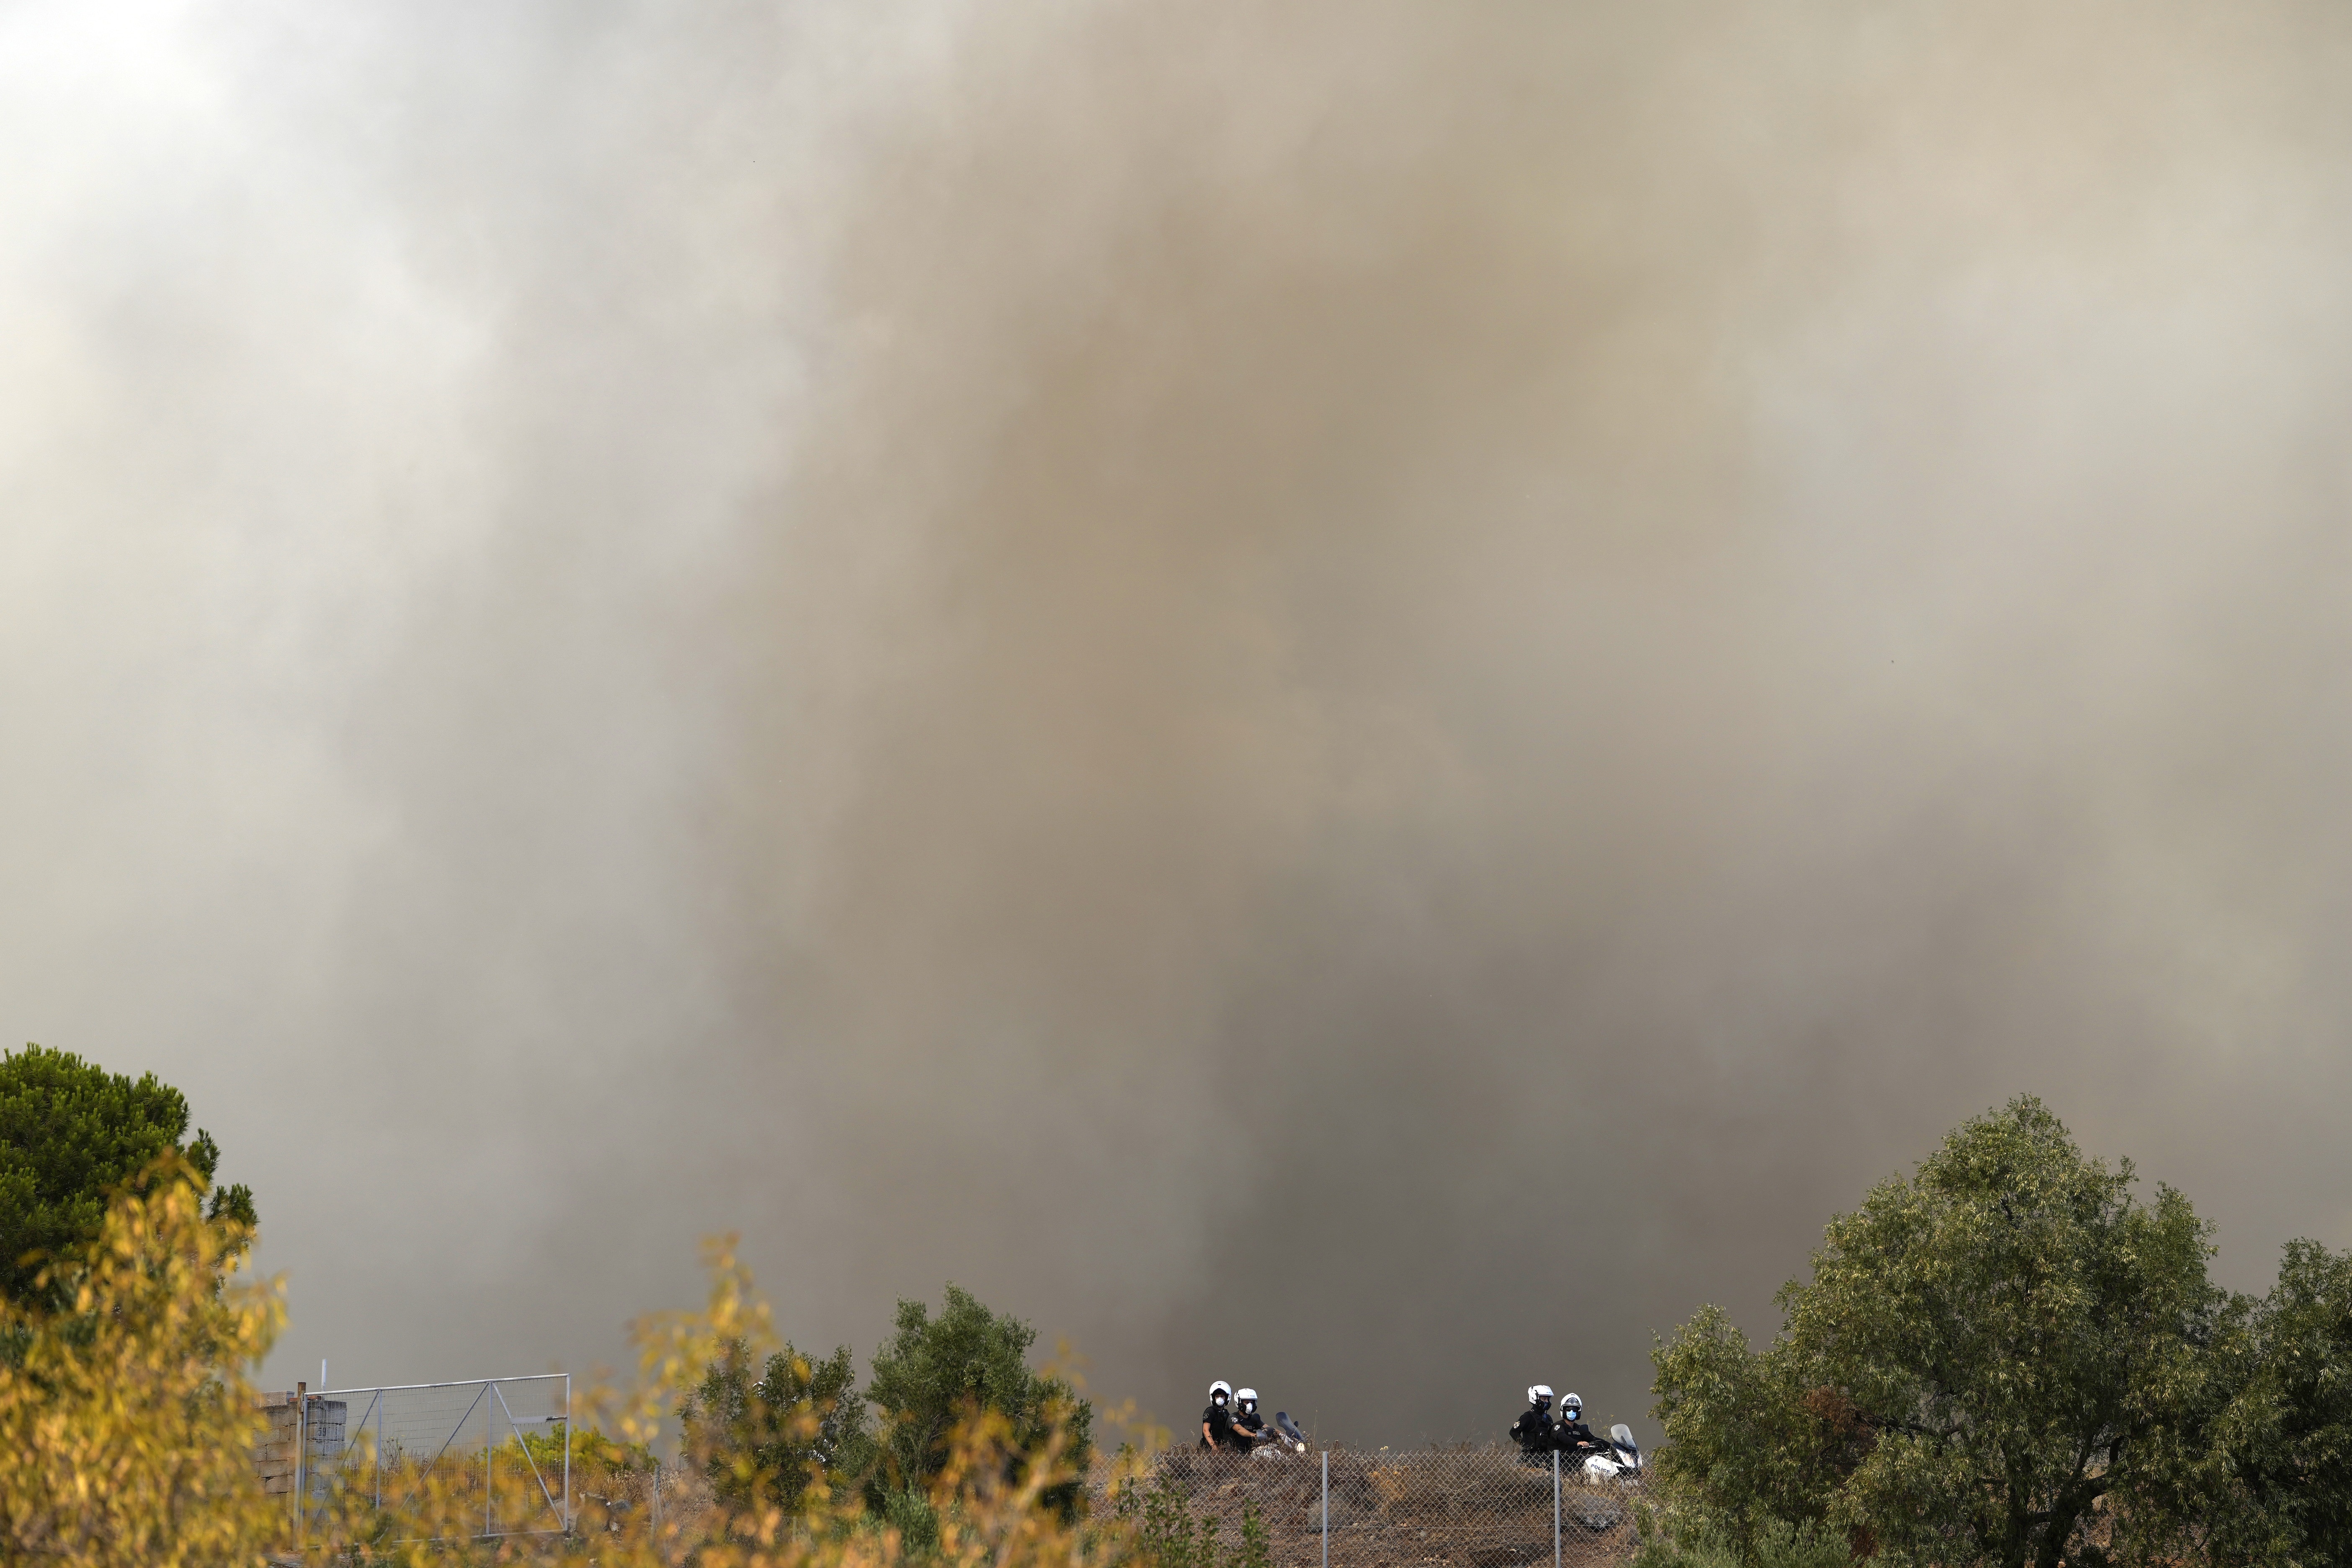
x,y
1992,1354
933,1373
2275,1484
765,1441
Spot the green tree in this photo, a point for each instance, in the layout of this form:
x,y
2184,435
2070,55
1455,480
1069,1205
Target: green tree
x,y
1693,1542
765,1441
2278,1480
70,1134
1991,1351
934,1372
1748,1441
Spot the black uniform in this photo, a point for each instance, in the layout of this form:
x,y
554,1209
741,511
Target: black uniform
x,y
1532,1431
1573,1436
1219,1420
1249,1430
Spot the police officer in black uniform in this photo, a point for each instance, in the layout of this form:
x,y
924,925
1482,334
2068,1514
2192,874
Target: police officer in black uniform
x,y
1217,1420
1533,1430
1572,1437
1249,1426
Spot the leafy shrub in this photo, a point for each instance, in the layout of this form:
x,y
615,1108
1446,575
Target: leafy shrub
x,y
128,1420
934,1375
1166,1533
1692,1541
770,1441
125,1418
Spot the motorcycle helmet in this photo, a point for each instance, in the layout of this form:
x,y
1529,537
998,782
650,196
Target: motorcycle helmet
x,y
1220,1391
1246,1399
1539,1394
1572,1407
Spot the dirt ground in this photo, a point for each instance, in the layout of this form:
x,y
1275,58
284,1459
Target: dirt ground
x,y
1467,1508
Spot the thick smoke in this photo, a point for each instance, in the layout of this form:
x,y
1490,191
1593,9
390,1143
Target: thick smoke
x,y
1360,698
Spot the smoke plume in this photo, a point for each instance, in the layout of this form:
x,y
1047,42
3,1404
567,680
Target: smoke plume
x,y
1356,697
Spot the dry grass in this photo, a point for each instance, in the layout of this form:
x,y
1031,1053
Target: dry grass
x,y
1465,1507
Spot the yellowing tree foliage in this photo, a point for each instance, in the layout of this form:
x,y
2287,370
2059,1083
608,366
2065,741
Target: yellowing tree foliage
x,y
126,1422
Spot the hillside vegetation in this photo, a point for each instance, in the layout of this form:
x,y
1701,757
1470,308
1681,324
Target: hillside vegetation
x,y
2009,1357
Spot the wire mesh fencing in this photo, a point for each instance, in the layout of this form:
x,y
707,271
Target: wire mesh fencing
x,y
494,1454
1437,1508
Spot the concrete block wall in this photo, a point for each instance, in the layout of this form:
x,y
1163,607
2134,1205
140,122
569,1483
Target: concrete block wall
x,y
320,1424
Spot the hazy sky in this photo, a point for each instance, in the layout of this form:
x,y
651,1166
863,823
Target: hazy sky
x,y
1360,697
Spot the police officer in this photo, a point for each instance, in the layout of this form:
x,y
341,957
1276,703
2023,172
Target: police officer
x,y
1533,1430
1217,1420
1249,1426
1572,1435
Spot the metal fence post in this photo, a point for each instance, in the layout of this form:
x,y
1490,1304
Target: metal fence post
x,y
1327,1509
489,1462
1555,1507
567,1455
302,1452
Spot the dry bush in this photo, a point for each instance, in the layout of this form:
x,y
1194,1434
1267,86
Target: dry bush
x,y
128,1420
128,1423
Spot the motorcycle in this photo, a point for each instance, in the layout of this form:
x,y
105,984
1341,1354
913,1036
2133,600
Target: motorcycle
x,y
1280,1441
1599,1501
1622,1461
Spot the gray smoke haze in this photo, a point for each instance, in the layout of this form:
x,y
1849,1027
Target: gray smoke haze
x,y
1356,697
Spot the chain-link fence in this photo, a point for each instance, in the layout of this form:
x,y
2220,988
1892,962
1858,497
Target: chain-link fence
x,y
1438,1507
501,1446
500,1449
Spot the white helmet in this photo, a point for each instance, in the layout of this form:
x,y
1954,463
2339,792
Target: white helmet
x,y
1220,1391
1540,1394
1572,1406
1247,1396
